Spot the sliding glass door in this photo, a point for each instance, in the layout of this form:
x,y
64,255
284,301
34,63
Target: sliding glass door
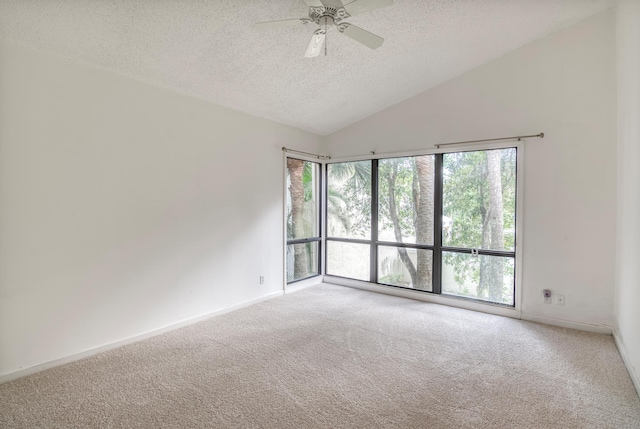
x,y
303,219
442,223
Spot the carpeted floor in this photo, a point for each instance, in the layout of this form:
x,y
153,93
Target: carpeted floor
x,y
333,357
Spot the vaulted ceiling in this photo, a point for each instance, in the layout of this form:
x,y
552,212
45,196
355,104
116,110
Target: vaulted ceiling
x,y
209,49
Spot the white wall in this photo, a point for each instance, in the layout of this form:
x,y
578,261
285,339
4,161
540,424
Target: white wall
x,y
565,86
628,255
126,207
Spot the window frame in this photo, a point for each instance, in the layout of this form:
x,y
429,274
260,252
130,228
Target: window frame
x,y
437,254
319,219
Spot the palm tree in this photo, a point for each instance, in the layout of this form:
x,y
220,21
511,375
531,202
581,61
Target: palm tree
x,y
349,198
295,168
422,201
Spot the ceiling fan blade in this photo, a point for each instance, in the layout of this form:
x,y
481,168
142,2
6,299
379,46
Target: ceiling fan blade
x,y
332,3
361,6
279,24
360,35
316,44
316,3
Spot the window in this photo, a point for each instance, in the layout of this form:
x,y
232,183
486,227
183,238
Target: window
x,y
303,219
349,208
479,210
405,221
442,223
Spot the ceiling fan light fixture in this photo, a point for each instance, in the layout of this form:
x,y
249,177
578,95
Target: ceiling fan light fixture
x,y
316,44
332,13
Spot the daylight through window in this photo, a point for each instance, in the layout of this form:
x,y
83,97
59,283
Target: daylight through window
x,y
303,219
443,223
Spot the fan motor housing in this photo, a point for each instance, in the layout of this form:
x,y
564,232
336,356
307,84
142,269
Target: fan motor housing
x,y
335,16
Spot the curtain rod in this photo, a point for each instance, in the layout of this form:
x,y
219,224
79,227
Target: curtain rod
x,y
437,146
284,149
541,135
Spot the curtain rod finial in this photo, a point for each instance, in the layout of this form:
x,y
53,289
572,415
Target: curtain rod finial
x,y
541,135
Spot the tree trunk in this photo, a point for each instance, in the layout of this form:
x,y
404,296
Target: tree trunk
x,y
393,211
422,192
424,220
296,190
492,268
485,241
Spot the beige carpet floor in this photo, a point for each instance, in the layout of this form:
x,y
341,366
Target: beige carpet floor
x,y
333,357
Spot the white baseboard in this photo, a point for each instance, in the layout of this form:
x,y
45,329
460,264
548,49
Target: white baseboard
x,y
622,348
599,329
498,310
93,351
302,284
468,305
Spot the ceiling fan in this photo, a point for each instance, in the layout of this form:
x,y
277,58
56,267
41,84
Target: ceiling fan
x,y
332,13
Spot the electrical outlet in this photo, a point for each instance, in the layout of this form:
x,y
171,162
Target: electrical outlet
x,y
559,299
546,294
261,280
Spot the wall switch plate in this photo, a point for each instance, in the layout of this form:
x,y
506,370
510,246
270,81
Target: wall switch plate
x,y
547,296
559,299
261,280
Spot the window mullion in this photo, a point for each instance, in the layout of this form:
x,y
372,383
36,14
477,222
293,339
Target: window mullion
x,y
437,226
373,269
320,216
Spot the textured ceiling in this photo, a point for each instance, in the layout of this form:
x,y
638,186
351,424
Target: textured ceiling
x,y
208,48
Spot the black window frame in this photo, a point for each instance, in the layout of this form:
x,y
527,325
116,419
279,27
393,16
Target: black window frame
x,y
316,239
437,248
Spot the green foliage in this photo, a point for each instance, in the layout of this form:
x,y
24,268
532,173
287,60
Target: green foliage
x,y
466,190
463,200
309,219
466,202
466,198
402,172
308,177
349,189
392,279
